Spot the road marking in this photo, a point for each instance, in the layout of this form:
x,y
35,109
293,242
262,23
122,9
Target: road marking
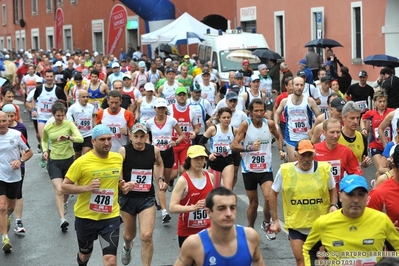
x,y
244,198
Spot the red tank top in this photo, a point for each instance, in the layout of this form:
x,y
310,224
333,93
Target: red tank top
x,y
192,222
184,122
131,94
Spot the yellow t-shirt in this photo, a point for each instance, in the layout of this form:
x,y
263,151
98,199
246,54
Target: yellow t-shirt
x,y
305,196
102,204
350,241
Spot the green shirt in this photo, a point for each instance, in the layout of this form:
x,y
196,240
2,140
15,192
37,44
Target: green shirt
x,y
60,150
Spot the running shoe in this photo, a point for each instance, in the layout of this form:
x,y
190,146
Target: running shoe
x,y
39,148
19,228
126,257
64,225
270,235
170,185
8,222
165,217
42,163
7,247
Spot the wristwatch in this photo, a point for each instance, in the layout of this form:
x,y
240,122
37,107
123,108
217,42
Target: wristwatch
x,y
21,160
68,137
335,205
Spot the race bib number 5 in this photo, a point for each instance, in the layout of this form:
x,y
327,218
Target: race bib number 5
x,y
198,219
102,201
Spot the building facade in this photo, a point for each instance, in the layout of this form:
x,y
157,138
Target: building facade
x,y
362,27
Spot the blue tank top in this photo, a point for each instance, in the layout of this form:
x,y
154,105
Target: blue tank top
x,y
212,257
96,93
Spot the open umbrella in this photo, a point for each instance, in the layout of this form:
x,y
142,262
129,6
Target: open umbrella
x,y
240,55
266,54
170,49
381,60
323,43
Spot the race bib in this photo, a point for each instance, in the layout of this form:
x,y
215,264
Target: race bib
x,y
45,107
162,142
96,105
84,123
186,128
171,99
115,129
299,126
323,108
102,201
198,219
336,170
143,178
387,133
258,160
362,105
222,148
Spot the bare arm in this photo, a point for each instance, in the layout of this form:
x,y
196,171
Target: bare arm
x,y
315,133
138,104
191,252
274,131
236,145
384,124
253,242
278,112
158,93
313,105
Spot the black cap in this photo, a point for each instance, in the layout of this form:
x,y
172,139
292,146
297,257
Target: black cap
x,y
301,73
170,69
325,79
235,88
338,103
205,72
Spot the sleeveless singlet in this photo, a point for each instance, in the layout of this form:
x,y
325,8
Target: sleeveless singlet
x,y
45,101
220,142
299,119
147,110
209,90
114,122
96,98
257,161
169,92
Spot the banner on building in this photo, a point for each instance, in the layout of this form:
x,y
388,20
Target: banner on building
x,y
59,25
117,25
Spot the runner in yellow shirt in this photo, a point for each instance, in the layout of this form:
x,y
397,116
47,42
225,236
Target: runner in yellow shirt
x,y
95,176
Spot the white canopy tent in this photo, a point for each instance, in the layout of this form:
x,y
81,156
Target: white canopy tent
x,y
184,30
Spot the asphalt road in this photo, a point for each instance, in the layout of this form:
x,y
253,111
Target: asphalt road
x,y
44,243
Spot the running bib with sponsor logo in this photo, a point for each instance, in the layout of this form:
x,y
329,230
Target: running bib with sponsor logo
x,y
143,179
258,160
198,219
102,201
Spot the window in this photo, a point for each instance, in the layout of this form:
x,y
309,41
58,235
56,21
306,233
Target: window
x,y
49,38
34,7
9,47
22,7
4,14
248,18
317,27
357,32
15,10
35,38
73,2
49,6
97,28
1,43
279,32
59,2
68,37
17,40
22,44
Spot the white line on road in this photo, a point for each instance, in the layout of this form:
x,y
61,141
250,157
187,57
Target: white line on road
x,y
244,198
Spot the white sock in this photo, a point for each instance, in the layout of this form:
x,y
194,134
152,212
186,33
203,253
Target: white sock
x,y
3,237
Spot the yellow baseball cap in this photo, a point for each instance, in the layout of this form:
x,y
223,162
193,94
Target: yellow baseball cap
x,y
196,151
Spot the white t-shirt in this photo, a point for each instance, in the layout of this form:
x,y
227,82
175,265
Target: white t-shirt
x,y
161,134
240,105
11,144
83,118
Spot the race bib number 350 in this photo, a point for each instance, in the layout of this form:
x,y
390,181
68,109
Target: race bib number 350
x,y
102,200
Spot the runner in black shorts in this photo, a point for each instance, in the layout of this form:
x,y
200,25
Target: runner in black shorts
x,y
97,213
220,154
139,200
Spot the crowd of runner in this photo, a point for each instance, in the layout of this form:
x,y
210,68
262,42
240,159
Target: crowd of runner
x,y
121,133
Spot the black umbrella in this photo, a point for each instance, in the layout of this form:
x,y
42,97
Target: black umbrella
x,y
167,48
323,43
381,60
266,54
